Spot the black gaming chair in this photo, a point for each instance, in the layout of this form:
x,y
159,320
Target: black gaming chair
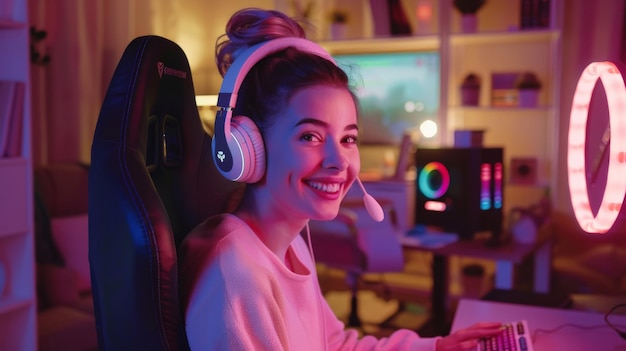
x,y
151,181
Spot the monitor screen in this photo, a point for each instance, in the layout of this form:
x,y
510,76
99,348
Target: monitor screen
x,y
397,91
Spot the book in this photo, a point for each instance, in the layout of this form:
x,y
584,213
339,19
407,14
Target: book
x,y
16,125
7,92
534,14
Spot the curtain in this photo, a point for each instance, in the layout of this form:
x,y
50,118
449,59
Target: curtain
x,y
592,31
85,40
66,90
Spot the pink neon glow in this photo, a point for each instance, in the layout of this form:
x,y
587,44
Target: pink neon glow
x,y
436,206
497,192
485,183
423,180
424,12
613,196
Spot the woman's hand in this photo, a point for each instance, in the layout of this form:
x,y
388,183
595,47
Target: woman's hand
x,y
467,339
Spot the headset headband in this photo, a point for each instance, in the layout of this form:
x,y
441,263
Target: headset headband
x,y
227,98
238,70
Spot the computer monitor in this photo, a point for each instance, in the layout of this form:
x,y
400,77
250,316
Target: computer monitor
x,y
397,91
460,190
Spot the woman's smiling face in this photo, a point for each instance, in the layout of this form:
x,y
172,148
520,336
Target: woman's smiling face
x,y
312,153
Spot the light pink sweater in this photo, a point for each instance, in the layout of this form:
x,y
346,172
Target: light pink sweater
x,y
239,296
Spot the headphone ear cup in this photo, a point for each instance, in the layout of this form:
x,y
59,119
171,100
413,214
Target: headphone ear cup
x,y
248,136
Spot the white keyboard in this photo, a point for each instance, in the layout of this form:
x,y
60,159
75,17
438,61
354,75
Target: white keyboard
x,y
514,337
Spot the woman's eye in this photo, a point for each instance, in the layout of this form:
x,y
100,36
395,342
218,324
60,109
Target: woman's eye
x,y
309,137
351,139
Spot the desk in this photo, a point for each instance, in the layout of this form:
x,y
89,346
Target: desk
x,y
506,258
599,303
591,334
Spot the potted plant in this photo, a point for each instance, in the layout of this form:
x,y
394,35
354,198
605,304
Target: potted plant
x,y
468,9
470,90
528,87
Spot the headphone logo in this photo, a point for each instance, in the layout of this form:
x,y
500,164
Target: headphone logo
x,y
221,156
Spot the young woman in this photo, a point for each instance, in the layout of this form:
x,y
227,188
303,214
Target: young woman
x,y
248,277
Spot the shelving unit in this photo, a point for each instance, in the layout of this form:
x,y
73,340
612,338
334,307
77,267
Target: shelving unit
x,y
497,47
523,132
18,321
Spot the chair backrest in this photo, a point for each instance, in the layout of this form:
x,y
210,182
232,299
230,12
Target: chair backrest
x,y
151,181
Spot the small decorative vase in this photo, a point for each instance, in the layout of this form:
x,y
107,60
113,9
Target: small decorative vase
x,y
470,90
469,23
470,96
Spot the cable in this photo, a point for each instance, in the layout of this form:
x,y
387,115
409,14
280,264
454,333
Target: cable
x,y
565,325
308,237
613,326
320,309
609,324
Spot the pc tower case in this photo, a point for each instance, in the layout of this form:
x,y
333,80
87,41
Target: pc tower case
x,y
460,190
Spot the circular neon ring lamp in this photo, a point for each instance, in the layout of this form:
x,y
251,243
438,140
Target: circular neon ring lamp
x,y
615,189
426,173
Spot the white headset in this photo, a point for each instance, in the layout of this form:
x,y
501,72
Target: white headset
x,y
238,150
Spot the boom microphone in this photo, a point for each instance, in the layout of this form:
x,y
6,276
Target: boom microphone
x,y
371,205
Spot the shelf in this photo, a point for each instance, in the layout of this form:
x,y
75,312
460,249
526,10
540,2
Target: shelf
x,y
11,304
9,24
541,109
540,184
18,301
389,44
508,37
13,162
8,235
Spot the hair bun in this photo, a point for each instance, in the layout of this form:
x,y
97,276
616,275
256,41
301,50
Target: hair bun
x,y
251,26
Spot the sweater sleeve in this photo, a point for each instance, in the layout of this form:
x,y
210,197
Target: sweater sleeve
x,y
246,322
340,338
223,314
240,298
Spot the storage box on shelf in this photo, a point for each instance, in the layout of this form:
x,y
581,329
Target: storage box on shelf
x,y
17,276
